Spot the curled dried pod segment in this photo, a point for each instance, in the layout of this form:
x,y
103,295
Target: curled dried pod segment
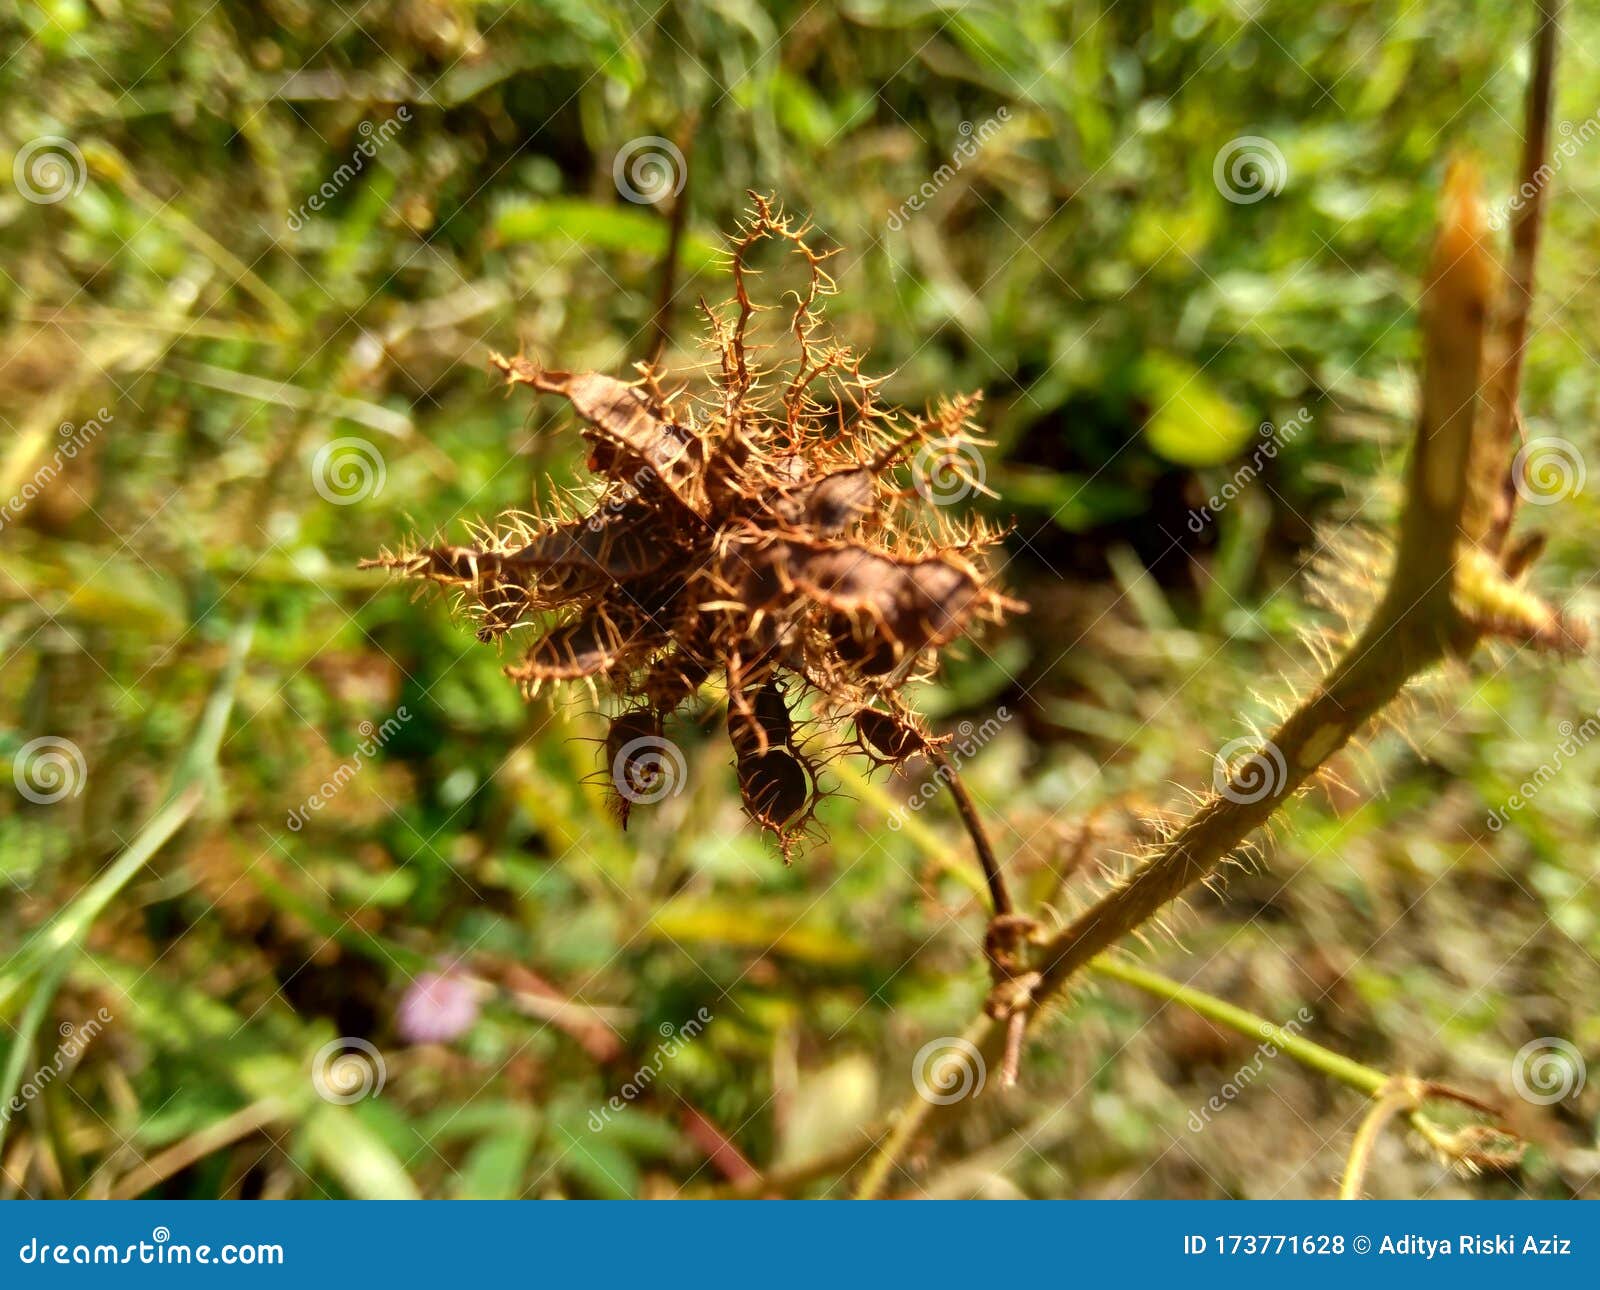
x,y
569,653
503,603
617,543
759,720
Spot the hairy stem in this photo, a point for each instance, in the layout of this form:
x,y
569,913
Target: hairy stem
x,y
1367,1080
1375,670
1454,510
1527,220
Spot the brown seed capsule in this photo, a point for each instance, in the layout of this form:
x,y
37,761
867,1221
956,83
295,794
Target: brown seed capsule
x,y
776,788
887,737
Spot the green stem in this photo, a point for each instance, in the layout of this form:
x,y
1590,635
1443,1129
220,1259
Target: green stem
x,y
22,1045
1399,1096
1364,1079
68,927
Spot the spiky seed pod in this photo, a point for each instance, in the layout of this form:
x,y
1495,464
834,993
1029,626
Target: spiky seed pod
x,y
756,530
889,738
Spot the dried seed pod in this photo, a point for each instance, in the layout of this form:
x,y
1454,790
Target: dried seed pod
x,y
760,723
581,649
776,788
754,529
635,768
895,606
504,602
629,441
831,505
618,545
887,737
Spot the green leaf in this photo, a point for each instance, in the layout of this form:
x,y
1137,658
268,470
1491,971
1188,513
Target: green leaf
x,y
495,1167
353,1152
1192,423
601,1168
608,228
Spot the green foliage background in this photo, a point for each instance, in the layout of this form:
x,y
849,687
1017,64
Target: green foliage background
x,y
1131,328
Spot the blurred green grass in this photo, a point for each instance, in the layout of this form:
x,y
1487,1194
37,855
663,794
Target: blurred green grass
x,y
1130,326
